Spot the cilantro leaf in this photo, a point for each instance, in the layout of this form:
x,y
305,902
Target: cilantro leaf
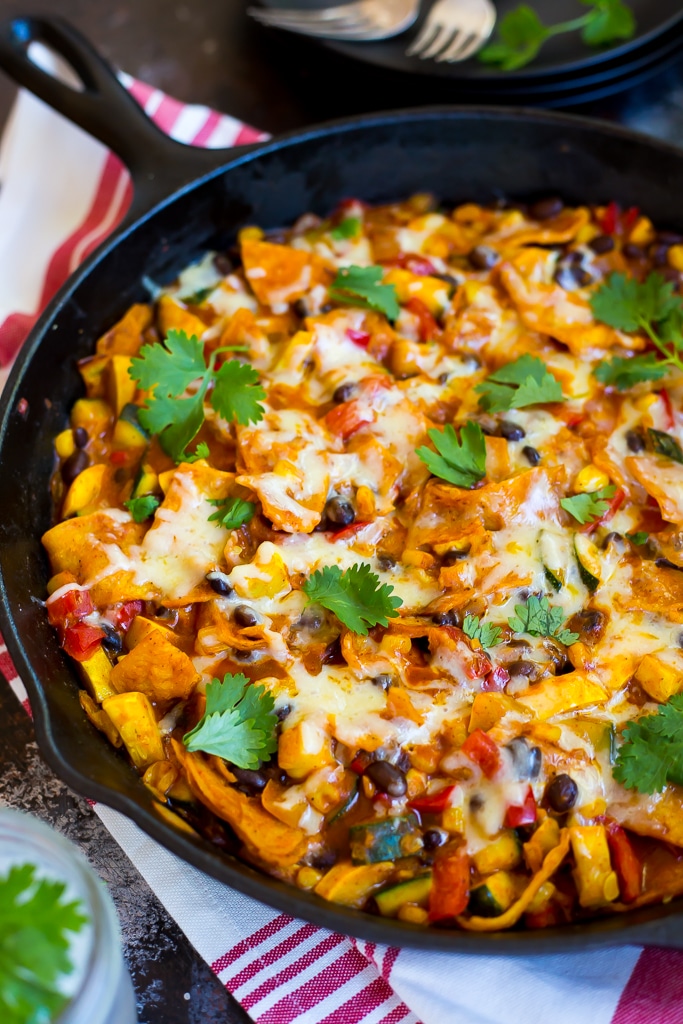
x,y
520,35
460,462
143,507
347,228
170,367
35,920
200,452
640,537
239,723
611,20
627,304
589,506
625,373
651,753
664,444
232,512
355,596
487,634
360,286
237,394
526,381
538,617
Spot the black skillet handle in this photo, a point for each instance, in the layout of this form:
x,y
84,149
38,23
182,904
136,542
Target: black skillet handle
x,y
103,108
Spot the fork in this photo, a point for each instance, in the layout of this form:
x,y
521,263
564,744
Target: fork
x,y
454,30
360,21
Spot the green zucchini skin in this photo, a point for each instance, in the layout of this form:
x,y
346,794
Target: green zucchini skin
x,y
376,841
415,890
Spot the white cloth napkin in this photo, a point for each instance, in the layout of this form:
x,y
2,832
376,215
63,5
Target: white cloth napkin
x,y
61,194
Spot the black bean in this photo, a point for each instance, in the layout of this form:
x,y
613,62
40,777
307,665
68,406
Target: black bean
x,y
442,378
321,859
421,643
242,655
448,279
528,669
112,640
613,538
433,838
454,555
544,209
340,511
343,393
383,681
244,616
80,437
483,258
633,252
635,441
589,623
74,466
219,584
562,792
532,455
510,431
680,639
283,712
301,309
571,276
223,264
659,254
450,618
311,618
666,563
332,655
535,759
526,760
387,777
669,238
602,244
248,779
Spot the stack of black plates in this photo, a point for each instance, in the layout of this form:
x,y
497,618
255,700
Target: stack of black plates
x,y
566,72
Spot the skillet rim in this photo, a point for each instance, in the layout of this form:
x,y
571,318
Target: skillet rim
x,y
655,924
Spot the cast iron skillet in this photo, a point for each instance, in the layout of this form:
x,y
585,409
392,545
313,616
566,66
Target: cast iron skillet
x,y
187,201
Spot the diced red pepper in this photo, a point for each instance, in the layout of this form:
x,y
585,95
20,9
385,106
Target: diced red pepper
x,y
69,607
360,338
624,861
348,204
481,749
630,217
432,803
610,218
515,816
81,641
420,266
122,616
427,325
345,419
450,886
614,506
360,762
118,458
496,680
668,408
348,531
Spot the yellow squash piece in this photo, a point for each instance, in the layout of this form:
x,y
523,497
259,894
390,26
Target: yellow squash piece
x,y
351,884
133,716
659,679
86,490
596,882
557,695
96,674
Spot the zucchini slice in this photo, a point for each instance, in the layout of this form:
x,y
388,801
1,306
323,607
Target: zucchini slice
x,y
589,562
415,890
494,896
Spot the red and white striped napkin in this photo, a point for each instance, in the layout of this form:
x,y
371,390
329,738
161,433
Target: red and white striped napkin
x,y
61,194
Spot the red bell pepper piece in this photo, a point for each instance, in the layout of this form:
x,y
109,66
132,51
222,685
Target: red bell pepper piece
x,y
81,641
610,218
118,458
360,338
496,680
345,419
349,531
614,505
630,217
668,408
360,762
624,861
450,886
420,266
481,749
432,803
427,325
69,607
122,616
524,815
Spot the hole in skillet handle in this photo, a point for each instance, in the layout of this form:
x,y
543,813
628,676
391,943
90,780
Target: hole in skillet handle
x,y
50,58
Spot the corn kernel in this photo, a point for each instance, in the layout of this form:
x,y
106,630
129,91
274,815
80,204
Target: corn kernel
x,y
365,503
592,810
420,559
424,757
453,820
675,257
611,887
412,913
590,478
65,444
644,403
586,234
250,234
416,782
368,787
643,232
308,878
165,479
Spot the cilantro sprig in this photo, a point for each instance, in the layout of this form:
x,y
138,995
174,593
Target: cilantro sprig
x,y
35,922
348,228
487,634
538,617
461,462
650,306
521,33
355,596
142,508
665,444
589,506
361,286
238,724
231,512
651,753
167,370
526,381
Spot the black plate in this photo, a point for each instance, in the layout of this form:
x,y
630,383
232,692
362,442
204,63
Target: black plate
x,y
562,55
188,201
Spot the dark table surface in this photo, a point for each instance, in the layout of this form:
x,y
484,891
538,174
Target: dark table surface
x,y
206,51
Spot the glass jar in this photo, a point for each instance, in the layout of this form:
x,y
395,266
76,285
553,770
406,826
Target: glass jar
x,y
99,988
